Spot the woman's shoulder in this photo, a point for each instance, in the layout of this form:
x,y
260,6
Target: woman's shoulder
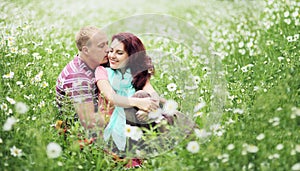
x,y
101,73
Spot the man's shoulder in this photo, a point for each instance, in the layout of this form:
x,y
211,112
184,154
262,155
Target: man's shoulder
x,y
73,70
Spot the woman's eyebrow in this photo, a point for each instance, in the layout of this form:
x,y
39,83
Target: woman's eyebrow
x,y
118,50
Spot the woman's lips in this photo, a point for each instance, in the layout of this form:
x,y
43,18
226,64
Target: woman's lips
x,y
112,62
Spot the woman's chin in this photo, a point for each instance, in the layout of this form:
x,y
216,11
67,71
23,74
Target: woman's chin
x,y
113,67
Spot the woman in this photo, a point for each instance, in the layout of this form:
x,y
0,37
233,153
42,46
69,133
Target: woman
x,y
129,73
129,66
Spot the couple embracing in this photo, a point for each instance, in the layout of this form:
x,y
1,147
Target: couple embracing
x,y
108,87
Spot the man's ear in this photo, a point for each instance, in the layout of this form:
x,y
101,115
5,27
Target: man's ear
x,y
85,50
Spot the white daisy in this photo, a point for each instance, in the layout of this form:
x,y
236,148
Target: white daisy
x,y
128,130
9,75
196,79
24,51
239,111
137,133
133,132
10,100
172,87
201,133
3,106
14,151
199,106
19,83
44,84
280,58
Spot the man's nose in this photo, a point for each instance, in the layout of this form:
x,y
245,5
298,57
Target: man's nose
x,y
107,50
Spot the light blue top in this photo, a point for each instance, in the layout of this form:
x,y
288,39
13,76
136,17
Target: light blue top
x,y
121,83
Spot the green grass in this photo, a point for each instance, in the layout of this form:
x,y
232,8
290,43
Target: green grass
x,y
257,66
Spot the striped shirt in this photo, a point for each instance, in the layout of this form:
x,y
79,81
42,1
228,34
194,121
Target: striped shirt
x,y
76,84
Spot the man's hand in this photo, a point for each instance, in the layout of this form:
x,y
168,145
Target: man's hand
x,y
142,116
146,104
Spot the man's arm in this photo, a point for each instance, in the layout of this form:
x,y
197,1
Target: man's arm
x,y
88,118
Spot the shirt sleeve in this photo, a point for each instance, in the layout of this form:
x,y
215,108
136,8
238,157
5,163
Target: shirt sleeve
x,y
101,73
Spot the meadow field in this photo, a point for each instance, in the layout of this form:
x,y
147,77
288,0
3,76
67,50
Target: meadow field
x,y
233,68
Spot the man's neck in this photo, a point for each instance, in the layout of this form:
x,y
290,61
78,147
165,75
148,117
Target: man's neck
x,y
87,62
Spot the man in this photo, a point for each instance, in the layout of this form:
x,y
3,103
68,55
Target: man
x,y
76,83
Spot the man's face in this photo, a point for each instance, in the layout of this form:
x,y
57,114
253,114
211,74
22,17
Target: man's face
x,y
98,48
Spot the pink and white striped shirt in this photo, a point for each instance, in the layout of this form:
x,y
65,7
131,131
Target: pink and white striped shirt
x,y
76,84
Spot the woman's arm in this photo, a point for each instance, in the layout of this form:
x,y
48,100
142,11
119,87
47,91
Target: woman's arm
x,y
147,104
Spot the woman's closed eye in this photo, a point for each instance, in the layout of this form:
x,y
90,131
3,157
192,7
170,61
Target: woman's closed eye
x,y
119,52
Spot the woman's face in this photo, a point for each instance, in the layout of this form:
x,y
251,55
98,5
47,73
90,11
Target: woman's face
x,y
118,57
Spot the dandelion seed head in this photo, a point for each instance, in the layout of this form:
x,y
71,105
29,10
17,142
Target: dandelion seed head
x,y
230,147
21,107
297,148
261,136
279,147
59,163
170,107
155,114
193,147
9,123
296,167
53,150
252,148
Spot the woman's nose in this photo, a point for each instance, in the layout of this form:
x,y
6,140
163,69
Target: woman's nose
x,y
111,55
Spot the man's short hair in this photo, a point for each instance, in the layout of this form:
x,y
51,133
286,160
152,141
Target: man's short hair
x,y
84,35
